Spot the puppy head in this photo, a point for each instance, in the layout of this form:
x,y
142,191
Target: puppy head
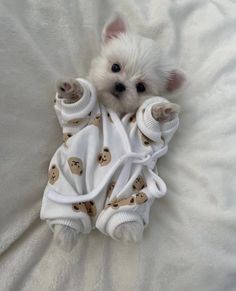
x,y
130,69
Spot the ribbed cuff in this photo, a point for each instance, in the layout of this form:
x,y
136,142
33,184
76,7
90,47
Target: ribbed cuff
x,y
80,225
170,126
146,122
150,123
82,107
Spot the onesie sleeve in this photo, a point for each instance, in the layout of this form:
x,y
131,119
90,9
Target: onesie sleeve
x,y
76,115
151,128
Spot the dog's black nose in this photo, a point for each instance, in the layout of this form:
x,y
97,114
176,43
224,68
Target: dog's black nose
x,y
119,87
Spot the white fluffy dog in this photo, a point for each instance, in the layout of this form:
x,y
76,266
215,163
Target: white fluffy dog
x,y
130,69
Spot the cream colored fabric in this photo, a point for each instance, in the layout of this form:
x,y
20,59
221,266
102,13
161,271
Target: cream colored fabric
x,y
190,243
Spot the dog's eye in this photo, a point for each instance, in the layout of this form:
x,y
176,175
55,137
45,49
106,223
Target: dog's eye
x,y
140,87
115,68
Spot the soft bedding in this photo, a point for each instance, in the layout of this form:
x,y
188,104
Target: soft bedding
x,y
191,240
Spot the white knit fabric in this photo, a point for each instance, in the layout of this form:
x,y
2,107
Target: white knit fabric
x,y
101,148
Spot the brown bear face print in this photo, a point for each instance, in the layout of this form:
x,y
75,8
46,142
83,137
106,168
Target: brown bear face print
x,y
104,157
114,204
139,183
66,136
76,165
91,208
132,118
127,201
75,122
110,188
79,207
141,198
121,202
53,174
96,121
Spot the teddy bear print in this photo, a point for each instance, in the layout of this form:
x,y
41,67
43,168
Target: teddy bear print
x,y
53,174
86,207
74,122
104,157
132,118
79,207
96,121
141,198
110,188
66,136
139,183
76,165
121,202
138,199
91,208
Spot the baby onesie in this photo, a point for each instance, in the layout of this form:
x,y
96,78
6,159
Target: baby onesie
x,y
104,173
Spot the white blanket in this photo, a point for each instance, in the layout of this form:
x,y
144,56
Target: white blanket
x,y
190,243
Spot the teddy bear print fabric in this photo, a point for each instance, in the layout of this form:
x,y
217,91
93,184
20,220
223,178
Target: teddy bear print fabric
x,y
104,167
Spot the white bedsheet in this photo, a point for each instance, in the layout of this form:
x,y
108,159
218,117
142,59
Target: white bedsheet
x,y
190,243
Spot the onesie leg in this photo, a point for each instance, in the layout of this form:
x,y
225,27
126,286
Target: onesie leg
x,y
125,219
66,221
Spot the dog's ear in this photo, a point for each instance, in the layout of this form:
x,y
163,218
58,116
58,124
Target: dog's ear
x,y
115,26
175,80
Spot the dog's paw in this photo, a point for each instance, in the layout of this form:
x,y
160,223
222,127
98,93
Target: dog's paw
x,y
165,111
129,232
65,237
70,90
